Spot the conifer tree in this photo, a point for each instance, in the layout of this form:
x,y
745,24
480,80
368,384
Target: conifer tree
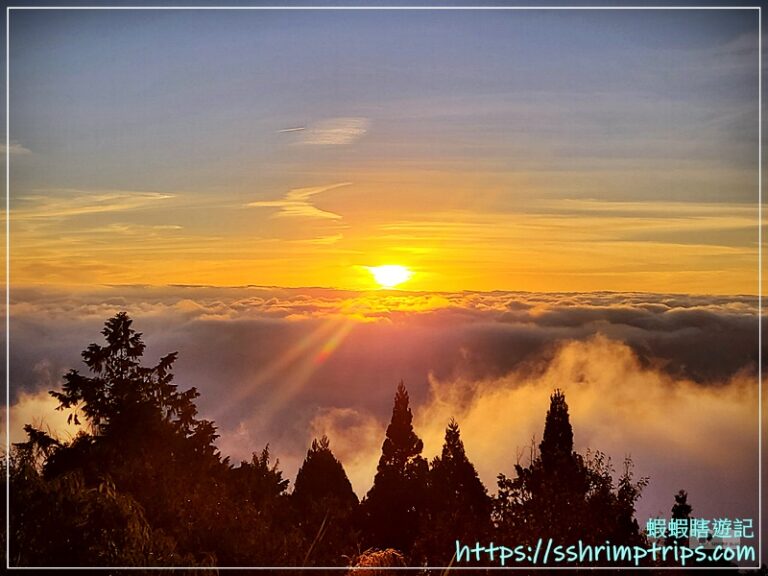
x,y
627,529
559,485
323,476
560,495
458,504
325,504
143,438
141,433
395,503
556,446
681,510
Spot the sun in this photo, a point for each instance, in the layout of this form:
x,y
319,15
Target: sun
x,y
390,275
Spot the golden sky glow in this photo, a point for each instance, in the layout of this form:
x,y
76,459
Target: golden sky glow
x,y
501,164
128,237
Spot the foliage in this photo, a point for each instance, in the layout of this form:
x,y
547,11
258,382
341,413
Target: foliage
x,y
144,435
395,503
325,505
458,505
66,521
562,495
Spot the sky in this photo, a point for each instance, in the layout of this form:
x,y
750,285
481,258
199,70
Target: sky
x,y
574,193
516,150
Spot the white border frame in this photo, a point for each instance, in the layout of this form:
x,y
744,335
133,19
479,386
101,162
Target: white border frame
x,y
8,9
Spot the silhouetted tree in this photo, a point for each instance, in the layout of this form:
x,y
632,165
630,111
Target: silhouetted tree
x,y
563,496
548,497
626,528
144,438
120,387
144,433
260,481
263,531
394,505
681,513
681,510
458,505
556,448
325,504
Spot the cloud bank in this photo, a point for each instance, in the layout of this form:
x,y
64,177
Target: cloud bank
x,y
670,379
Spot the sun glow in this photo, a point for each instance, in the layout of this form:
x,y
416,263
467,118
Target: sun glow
x,y
390,275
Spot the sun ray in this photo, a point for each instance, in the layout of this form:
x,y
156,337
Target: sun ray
x,y
304,347
302,371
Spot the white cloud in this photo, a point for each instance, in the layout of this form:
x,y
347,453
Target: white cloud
x,y
616,405
67,203
669,379
14,148
334,131
296,203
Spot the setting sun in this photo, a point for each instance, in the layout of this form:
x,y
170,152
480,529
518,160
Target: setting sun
x,y
389,276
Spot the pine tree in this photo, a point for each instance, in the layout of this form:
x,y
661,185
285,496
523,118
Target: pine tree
x,y
141,433
556,446
548,497
395,503
121,392
561,495
458,504
561,490
325,504
260,529
681,510
322,476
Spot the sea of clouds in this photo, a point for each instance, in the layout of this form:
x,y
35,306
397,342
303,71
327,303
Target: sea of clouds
x,y
669,379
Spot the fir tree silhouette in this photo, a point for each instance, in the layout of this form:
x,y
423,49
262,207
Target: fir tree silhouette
x,y
146,461
143,442
458,505
561,495
395,503
557,480
321,475
325,504
681,511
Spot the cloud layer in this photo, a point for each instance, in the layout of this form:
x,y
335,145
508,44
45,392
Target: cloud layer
x,y
669,379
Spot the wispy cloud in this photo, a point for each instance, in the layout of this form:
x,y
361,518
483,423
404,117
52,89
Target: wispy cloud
x,y
68,203
296,203
331,131
128,229
332,239
14,148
